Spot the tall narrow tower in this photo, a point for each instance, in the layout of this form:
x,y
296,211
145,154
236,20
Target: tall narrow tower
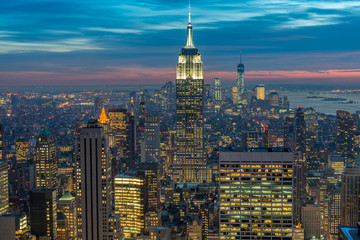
x,y
46,161
189,164
240,81
93,183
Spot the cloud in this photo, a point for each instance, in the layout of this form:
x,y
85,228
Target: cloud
x,y
66,45
113,30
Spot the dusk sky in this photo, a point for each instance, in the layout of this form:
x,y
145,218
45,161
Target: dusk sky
x,y
98,42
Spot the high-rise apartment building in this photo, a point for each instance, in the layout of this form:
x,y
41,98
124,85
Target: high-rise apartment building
x,y
43,213
93,183
345,129
189,163
218,89
129,204
256,194
2,143
4,188
350,197
46,161
240,80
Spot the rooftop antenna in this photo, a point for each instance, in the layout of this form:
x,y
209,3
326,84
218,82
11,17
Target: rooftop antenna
x,y
189,12
240,57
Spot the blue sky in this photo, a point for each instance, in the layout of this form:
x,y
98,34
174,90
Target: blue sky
x,y
122,42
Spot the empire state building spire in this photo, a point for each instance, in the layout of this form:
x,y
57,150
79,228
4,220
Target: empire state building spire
x,y
189,39
189,164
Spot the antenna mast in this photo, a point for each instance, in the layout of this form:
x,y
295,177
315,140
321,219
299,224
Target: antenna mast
x,y
189,12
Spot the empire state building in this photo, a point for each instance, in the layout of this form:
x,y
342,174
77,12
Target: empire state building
x,y
189,163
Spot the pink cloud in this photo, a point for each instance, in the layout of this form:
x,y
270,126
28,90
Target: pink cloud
x,y
134,75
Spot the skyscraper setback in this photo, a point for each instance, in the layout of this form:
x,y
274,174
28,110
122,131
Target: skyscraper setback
x,y
189,164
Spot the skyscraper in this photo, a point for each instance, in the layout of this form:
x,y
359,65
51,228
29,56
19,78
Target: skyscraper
x,y
299,183
46,161
345,129
300,131
240,81
43,212
190,163
218,89
149,172
350,197
235,94
152,140
67,205
122,128
256,193
289,138
129,203
93,183
4,188
259,92
2,143
98,105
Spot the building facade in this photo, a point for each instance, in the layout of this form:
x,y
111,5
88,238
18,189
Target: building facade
x,y
4,188
256,193
129,204
345,134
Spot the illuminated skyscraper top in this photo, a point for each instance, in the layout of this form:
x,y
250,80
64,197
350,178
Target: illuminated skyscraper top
x,y
189,39
189,164
103,118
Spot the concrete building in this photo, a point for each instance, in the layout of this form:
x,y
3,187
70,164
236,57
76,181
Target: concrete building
x,y
93,183
311,221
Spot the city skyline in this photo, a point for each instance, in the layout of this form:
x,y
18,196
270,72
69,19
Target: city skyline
x,y
111,43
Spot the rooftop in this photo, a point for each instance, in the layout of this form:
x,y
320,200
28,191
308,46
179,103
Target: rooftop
x,y
351,233
240,149
45,133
